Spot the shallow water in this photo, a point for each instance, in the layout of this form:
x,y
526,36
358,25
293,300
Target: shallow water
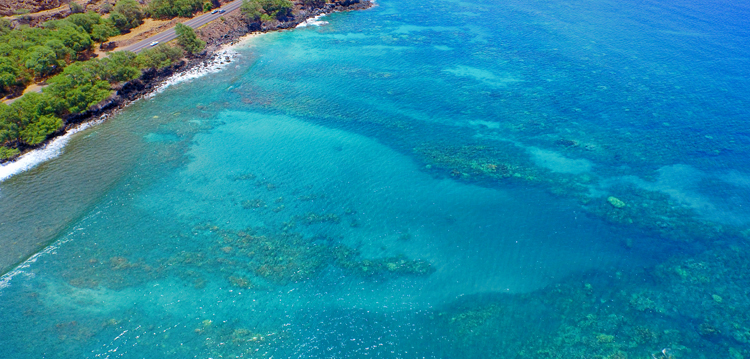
x,y
445,179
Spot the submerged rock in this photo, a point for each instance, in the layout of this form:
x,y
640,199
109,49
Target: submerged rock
x,y
616,202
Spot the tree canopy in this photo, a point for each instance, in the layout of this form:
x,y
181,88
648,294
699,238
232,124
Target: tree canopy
x,y
158,57
29,52
167,9
127,15
52,51
265,10
187,39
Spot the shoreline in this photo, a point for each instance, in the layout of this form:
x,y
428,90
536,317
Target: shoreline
x,y
220,36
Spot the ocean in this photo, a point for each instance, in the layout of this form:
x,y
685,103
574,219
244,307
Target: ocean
x,y
445,179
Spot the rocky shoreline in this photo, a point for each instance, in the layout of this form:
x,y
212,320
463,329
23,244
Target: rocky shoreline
x,y
226,31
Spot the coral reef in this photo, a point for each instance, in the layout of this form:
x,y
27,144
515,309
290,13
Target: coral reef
x,y
693,307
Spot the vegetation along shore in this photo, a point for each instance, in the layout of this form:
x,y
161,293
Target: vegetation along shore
x,y
70,52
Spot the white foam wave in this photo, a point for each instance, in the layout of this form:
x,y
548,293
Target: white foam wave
x,y
220,61
21,269
314,21
46,153
7,277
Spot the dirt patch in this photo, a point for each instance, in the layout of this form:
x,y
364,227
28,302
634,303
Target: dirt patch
x,y
9,7
45,10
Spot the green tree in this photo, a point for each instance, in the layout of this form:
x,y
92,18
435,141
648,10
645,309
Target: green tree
x,y
106,8
99,29
119,66
62,52
78,88
37,131
6,152
265,10
4,26
277,8
8,123
128,15
10,74
75,7
102,32
207,6
33,109
187,39
165,9
86,21
119,21
251,9
42,60
74,37
158,57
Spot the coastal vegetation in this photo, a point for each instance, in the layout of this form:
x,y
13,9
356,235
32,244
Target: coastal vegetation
x,y
265,10
80,85
167,9
187,39
60,52
158,57
127,15
28,53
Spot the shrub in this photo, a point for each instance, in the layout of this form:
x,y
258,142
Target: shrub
x,y
75,7
266,10
277,8
86,21
251,9
29,119
40,51
187,39
106,8
158,57
37,131
8,152
78,87
102,32
10,73
41,59
4,27
119,66
167,9
127,15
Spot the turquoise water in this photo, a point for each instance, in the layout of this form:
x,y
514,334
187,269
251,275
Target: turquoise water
x,y
446,180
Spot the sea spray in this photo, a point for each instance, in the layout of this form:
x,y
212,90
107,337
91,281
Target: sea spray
x,y
314,21
219,61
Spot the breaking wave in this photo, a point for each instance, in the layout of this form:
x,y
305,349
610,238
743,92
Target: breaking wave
x,y
49,151
315,21
220,60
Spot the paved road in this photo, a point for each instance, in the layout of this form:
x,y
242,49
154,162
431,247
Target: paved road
x,y
195,23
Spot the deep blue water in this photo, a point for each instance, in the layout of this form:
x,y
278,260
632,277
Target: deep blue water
x,y
447,179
